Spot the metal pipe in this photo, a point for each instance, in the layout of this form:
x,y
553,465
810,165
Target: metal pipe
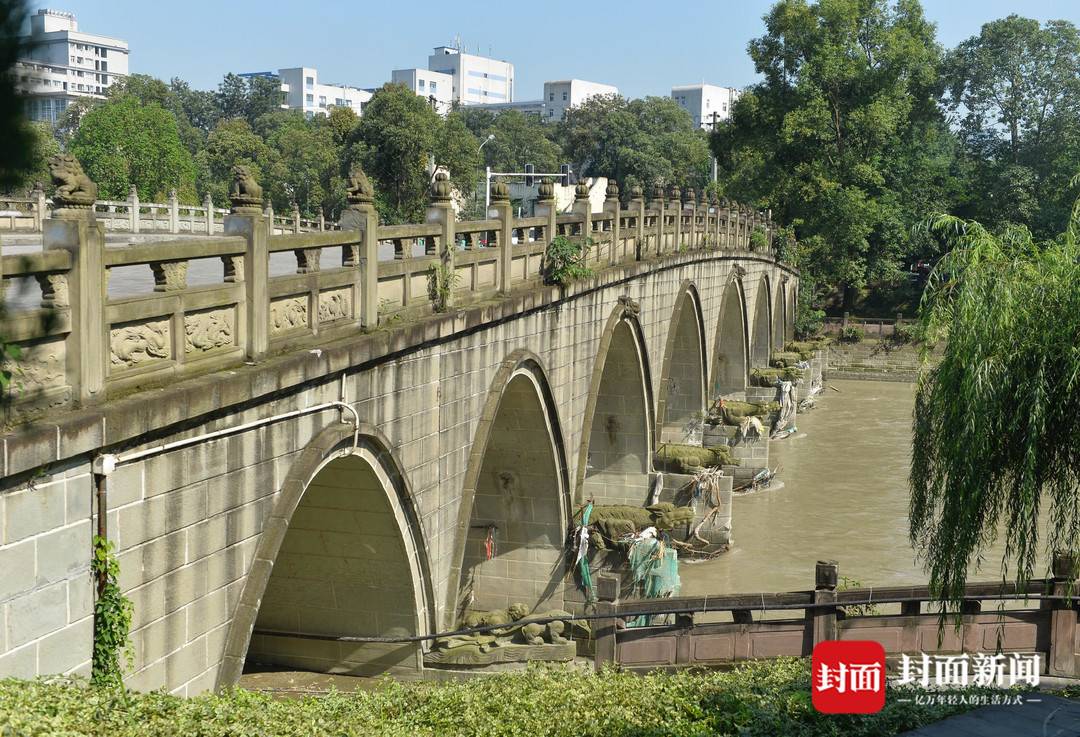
x,y
166,447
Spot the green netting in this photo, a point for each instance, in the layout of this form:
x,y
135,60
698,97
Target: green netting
x,y
655,569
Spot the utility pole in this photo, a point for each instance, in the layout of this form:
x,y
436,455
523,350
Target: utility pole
x,y
714,115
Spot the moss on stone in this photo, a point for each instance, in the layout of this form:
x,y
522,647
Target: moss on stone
x,y
679,458
806,348
768,376
786,359
733,412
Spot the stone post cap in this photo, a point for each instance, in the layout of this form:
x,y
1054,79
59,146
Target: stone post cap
x,y
38,188
358,189
74,190
245,194
133,191
500,192
545,190
826,574
440,187
612,190
674,193
658,192
172,193
689,195
636,192
581,190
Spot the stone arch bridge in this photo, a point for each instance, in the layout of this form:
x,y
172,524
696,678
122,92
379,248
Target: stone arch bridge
x,y
320,452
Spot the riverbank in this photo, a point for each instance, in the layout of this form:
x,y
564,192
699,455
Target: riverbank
x,y
872,360
759,698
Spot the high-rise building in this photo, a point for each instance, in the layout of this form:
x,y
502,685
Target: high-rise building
x,y
476,79
703,100
65,64
302,91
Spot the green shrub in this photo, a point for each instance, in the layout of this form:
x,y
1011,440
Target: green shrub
x,y
906,334
851,334
759,240
112,618
755,699
564,261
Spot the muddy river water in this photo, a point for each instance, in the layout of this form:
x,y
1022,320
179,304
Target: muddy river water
x,y
841,494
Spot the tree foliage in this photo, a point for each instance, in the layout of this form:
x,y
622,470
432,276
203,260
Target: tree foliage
x,y
123,142
996,428
635,141
1015,90
18,152
393,140
844,137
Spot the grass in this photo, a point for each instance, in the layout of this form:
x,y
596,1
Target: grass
x,y
762,698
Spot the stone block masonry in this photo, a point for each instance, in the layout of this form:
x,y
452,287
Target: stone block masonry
x,y
204,532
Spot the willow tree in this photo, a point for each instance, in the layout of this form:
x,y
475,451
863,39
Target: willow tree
x,y
997,420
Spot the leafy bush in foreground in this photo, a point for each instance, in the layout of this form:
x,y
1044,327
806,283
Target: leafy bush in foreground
x,y
767,698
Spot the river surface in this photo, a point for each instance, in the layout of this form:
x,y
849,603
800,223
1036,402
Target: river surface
x,y
841,494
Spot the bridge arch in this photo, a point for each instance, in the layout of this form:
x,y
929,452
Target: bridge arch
x,y
731,349
780,315
515,503
615,454
341,554
682,379
792,292
761,335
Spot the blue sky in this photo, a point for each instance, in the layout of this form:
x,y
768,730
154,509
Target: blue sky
x,y
643,47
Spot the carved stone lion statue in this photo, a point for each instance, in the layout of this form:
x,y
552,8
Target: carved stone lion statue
x,y
359,188
73,187
245,190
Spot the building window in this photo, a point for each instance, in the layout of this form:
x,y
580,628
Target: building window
x,y
430,86
420,83
309,82
551,113
564,97
104,53
322,101
309,99
551,97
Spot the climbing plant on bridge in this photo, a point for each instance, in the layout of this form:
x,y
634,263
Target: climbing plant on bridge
x,y
996,430
112,617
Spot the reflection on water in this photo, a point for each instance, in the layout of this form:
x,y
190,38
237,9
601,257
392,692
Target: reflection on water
x,y
843,496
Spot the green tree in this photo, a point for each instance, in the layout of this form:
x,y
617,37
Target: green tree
x,y
456,149
248,97
44,147
844,137
121,142
395,136
996,433
231,142
635,141
17,153
1016,91
307,163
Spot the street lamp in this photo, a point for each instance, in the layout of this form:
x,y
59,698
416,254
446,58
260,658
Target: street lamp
x,y
487,175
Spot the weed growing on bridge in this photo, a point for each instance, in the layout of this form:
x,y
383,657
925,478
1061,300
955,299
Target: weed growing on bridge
x,y
442,280
112,617
564,261
757,699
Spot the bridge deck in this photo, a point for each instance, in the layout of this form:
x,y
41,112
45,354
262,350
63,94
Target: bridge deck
x,y
1039,716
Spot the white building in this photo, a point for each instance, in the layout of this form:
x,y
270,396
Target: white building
x,y
303,91
437,87
476,79
561,94
65,64
706,103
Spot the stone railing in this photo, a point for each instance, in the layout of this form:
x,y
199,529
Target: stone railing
x,y
28,215
83,343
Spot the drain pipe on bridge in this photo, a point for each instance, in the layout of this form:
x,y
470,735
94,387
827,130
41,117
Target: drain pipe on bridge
x,y
103,465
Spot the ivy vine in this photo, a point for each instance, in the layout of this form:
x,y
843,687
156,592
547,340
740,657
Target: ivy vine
x,y
112,618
